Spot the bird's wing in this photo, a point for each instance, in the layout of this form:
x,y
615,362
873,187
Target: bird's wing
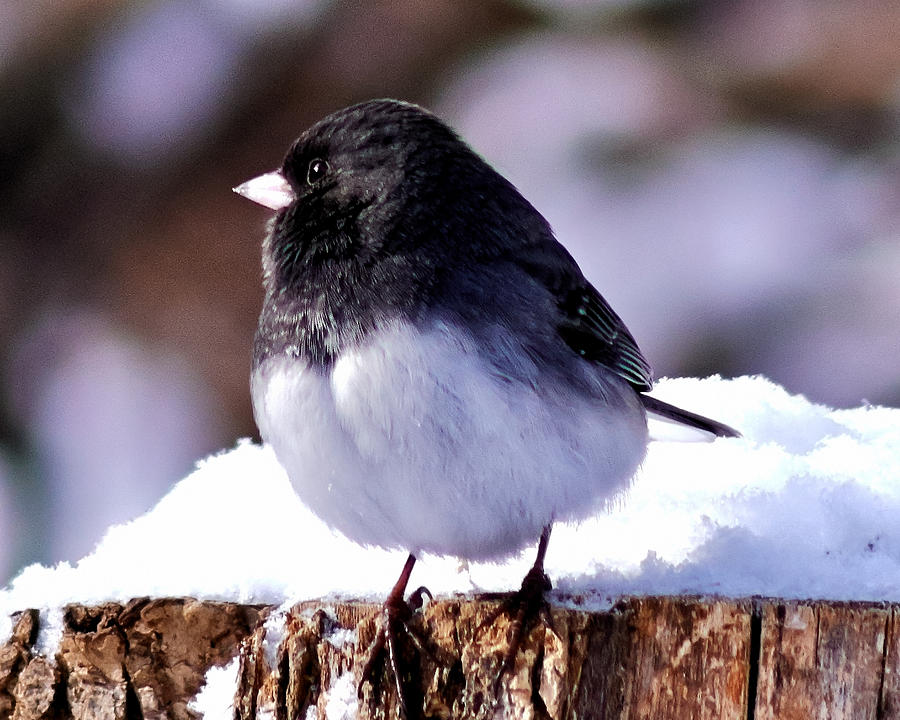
x,y
588,324
593,330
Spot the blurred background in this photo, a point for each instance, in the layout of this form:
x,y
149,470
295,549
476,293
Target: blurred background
x,y
727,174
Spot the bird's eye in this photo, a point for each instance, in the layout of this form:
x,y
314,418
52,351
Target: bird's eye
x,y
316,170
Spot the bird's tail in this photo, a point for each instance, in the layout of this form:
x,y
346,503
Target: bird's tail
x,y
671,413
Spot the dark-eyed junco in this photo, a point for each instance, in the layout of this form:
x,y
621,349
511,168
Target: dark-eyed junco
x,y
431,367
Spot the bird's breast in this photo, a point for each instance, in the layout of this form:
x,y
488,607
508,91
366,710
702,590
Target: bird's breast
x,y
414,440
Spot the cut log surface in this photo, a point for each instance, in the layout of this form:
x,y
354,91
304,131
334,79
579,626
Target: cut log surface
x,y
146,659
653,657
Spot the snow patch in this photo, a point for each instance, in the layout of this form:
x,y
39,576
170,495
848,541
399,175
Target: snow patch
x,y
341,702
215,701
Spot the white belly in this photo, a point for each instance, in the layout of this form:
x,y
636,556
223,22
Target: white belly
x,y
409,442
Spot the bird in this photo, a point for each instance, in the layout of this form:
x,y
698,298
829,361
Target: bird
x,y
431,366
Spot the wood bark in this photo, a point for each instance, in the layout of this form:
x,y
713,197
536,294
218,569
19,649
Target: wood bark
x,y
146,659
649,657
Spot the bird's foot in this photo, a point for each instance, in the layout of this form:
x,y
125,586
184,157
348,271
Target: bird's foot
x,y
402,645
525,608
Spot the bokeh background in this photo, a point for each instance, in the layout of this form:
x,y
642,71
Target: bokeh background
x,y
728,174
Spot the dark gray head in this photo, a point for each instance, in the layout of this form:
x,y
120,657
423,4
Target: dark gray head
x,y
376,206
384,213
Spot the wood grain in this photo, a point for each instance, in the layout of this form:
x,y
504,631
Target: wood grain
x,y
823,661
655,657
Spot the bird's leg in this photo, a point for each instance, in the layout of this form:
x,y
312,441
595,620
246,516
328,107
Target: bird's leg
x,y
527,605
397,614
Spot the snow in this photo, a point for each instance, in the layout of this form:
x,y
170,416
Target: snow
x,y
215,701
50,628
341,702
275,632
804,505
339,637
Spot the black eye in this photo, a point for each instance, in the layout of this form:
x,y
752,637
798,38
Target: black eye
x,y
316,170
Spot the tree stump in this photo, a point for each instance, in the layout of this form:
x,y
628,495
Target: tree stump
x,y
653,657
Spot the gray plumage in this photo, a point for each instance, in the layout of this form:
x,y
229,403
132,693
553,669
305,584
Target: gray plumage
x,y
431,366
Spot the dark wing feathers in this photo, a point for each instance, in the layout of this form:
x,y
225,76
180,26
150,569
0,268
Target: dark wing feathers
x,y
593,330
602,336
588,325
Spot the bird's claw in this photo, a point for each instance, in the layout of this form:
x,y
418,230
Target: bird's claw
x,y
395,628
416,601
525,607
